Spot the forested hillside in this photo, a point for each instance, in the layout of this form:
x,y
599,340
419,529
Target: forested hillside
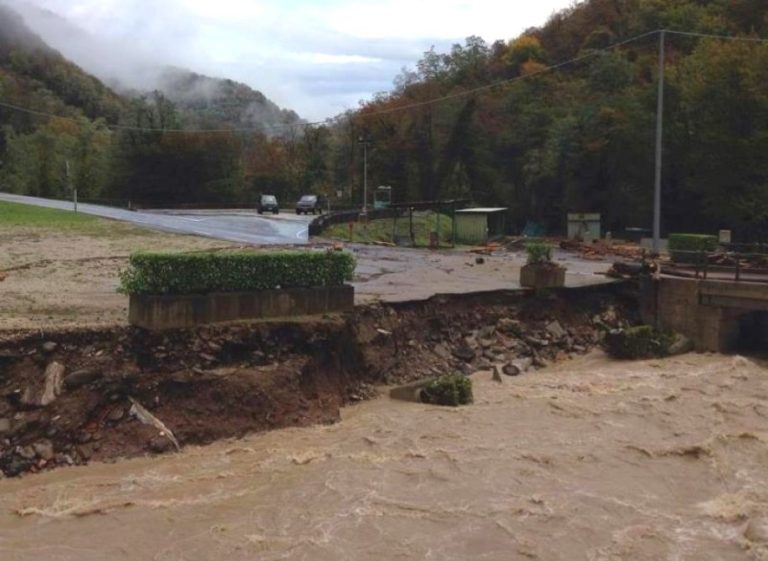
x,y
491,122
582,138
206,103
129,148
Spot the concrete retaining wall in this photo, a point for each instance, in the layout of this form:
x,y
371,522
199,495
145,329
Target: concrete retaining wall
x,y
684,306
173,312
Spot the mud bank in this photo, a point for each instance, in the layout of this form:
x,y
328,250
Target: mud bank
x,y
76,396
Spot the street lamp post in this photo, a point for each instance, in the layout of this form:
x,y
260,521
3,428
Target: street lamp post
x,y
365,142
69,184
659,145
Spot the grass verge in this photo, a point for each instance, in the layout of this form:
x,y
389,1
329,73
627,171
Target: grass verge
x,y
16,215
382,230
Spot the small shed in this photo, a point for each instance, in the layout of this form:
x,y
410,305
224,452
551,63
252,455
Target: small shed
x,y
584,226
479,225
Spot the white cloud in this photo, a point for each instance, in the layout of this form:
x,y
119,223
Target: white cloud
x,y
441,19
316,57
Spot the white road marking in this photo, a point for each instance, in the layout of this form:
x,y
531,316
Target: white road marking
x,y
300,233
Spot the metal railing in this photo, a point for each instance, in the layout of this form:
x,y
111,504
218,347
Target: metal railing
x,y
733,265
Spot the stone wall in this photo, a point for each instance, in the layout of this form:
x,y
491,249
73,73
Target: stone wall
x,y
685,306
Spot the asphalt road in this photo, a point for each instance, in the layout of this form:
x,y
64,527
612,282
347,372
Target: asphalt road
x,y
236,226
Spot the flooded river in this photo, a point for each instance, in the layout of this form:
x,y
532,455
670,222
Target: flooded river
x,y
593,460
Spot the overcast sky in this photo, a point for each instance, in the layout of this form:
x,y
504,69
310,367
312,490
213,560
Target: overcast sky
x,y
316,57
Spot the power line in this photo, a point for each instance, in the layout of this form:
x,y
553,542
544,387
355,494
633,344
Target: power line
x,y
501,83
464,93
713,36
554,67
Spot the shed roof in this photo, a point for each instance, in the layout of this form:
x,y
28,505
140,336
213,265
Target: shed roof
x,y
430,205
480,210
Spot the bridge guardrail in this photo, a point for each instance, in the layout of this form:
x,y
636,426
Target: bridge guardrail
x,y
744,266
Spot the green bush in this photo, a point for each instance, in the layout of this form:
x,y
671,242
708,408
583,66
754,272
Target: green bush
x,y
201,273
538,252
688,248
638,342
452,390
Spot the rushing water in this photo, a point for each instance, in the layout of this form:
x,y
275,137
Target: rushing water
x,y
594,460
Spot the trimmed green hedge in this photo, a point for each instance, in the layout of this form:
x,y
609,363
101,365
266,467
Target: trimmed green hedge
x,y
201,273
451,390
643,341
680,246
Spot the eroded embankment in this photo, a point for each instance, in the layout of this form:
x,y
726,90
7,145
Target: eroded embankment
x,y
76,396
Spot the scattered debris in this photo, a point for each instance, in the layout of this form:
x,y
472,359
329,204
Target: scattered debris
x,y
222,381
138,411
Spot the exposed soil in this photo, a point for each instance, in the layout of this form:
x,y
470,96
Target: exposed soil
x,y
52,278
74,396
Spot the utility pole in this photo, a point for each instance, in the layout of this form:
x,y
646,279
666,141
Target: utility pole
x,y
365,142
659,146
71,187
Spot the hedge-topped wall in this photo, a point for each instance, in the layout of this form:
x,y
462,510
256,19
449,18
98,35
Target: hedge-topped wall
x,y
202,273
688,248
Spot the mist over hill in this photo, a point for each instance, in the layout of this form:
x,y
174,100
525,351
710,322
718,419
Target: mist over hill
x,y
204,102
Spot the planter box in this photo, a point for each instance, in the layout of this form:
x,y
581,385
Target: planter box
x,y
156,312
542,276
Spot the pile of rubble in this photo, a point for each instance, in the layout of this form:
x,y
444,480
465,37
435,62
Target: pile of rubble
x,y
74,397
414,344
599,250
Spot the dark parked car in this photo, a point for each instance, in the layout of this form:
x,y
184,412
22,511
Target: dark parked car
x,y
309,203
267,203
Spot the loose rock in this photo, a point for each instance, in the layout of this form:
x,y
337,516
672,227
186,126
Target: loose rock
x,y
487,332
522,365
116,414
26,452
556,330
536,342
161,444
681,345
465,353
35,396
442,351
80,378
44,449
54,379
507,325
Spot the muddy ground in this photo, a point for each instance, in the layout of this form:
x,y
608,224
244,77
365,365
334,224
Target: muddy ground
x,y
74,396
56,279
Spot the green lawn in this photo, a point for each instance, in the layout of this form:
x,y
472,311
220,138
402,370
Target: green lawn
x,y
15,215
382,230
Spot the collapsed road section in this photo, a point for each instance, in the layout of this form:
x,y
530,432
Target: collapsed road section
x,y
75,396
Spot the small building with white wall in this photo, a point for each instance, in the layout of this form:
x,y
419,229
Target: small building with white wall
x,y
475,226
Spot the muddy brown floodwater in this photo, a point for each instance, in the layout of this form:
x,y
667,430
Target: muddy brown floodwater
x,y
591,459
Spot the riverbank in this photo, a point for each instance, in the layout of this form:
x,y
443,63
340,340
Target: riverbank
x,y
80,395
589,459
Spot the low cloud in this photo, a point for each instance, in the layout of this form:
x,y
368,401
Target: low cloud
x,y
316,60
